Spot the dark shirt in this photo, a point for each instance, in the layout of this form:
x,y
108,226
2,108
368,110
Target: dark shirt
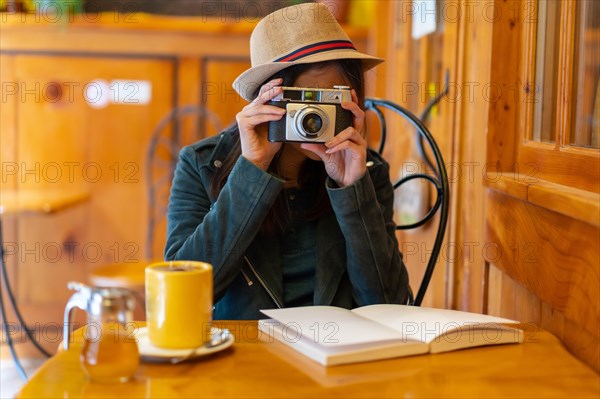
x,y
298,251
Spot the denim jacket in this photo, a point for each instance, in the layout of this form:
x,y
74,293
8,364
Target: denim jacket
x,y
358,261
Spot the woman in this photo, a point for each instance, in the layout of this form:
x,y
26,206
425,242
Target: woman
x,y
290,224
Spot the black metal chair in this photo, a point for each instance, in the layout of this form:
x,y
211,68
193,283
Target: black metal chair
x,y
162,155
439,179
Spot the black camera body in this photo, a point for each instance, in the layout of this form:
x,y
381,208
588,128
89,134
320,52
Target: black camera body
x,y
313,115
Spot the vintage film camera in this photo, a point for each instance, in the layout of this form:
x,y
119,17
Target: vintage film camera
x,y
313,115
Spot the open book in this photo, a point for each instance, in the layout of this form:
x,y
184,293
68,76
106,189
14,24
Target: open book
x,y
332,335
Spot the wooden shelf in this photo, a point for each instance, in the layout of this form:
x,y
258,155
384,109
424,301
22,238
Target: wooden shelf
x,y
135,34
40,200
578,204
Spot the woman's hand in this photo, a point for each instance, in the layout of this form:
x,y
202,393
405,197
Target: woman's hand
x,y
253,128
345,155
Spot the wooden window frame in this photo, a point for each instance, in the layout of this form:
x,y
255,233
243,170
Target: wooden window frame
x,y
558,162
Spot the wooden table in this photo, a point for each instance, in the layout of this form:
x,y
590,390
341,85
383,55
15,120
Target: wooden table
x,y
258,367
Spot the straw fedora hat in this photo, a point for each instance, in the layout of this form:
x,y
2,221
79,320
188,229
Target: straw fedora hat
x,y
299,34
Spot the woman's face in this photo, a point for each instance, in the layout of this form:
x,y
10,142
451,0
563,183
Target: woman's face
x,y
324,77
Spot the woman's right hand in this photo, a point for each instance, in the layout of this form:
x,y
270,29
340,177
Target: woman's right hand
x,y
252,123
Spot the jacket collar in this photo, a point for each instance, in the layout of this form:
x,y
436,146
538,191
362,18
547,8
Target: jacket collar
x,y
222,145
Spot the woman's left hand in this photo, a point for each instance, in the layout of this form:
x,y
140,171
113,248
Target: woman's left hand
x,y
345,155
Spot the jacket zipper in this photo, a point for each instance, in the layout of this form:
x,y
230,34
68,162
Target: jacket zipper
x,y
248,281
262,282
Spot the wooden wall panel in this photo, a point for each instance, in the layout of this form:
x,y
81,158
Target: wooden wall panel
x,y
414,73
185,130
9,172
218,93
10,96
547,233
189,93
48,262
106,146
11,248
504,69
50,118
550,272
510,299
116,223
467,167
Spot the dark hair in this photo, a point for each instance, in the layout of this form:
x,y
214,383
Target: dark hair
x,y
351,69
311,172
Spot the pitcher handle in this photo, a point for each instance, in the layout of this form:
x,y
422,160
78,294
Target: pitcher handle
x,y
78,300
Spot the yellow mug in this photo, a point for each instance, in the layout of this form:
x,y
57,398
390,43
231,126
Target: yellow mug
x,y
179,298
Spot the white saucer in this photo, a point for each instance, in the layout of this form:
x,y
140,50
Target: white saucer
x,y
151,353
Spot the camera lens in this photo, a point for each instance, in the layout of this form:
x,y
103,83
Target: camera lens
x,y
312,124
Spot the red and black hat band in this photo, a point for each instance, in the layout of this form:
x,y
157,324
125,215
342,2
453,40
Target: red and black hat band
x,y
316,48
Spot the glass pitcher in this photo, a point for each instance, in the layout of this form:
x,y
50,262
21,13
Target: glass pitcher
x,y
110,352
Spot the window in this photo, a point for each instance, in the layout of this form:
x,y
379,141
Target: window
x,y
586,70
559,111
546,71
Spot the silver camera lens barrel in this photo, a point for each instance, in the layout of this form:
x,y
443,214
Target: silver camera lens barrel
x,y
310,122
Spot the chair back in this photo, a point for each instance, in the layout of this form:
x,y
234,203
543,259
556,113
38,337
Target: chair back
x,y
438,178
161,158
